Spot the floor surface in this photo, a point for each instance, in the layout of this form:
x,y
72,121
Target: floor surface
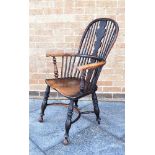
x,y
86,136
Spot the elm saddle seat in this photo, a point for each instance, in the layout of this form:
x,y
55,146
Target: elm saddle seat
x,y
69,87
79,73
66,87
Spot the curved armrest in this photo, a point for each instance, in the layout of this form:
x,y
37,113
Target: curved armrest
x,y
83,70
91,66
58,54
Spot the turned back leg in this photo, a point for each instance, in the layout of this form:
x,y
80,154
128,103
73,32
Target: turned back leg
x,y
76,103
96,107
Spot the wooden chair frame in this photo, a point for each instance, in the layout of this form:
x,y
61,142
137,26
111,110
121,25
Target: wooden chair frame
x,y
82,68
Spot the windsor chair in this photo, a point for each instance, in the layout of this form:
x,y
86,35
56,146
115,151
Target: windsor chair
x,y
78,74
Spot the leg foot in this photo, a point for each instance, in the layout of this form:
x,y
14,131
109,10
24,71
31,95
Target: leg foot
x,y
66,141
44,103
68,122
98,120
96,107
40,119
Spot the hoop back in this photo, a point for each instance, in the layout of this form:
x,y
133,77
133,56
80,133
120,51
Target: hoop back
x,y
99,38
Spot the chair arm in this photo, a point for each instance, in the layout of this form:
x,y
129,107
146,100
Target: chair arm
x,y
91,66
58,54
83,74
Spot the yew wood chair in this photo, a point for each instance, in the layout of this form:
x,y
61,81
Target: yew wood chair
x,y
78,74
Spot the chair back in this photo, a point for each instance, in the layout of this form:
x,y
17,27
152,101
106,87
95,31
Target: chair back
x,y
99,38
96,43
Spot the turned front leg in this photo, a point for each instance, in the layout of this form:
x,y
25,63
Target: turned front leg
x,y
68,122
44,103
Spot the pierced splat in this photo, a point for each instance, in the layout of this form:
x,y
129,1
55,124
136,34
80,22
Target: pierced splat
x,y
100,33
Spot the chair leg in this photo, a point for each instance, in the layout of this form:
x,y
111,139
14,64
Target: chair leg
x,y
44,103
68,122
76,103
96,107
